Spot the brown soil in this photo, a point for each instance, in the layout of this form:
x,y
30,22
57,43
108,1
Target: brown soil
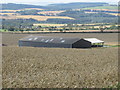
x,y
29,67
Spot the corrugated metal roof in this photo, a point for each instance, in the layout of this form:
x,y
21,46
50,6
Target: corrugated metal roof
x,y
50,39
93,40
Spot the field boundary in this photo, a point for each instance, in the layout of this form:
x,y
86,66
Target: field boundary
x,y
0,60
53,32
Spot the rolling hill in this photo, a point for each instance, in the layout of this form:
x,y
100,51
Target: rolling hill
x,y
67,6
63,13
13,6
62,6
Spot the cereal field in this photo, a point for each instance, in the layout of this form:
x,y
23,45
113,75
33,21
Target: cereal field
x,y
50,12
7,13
115,14
21,10
29,67
49,25
36,17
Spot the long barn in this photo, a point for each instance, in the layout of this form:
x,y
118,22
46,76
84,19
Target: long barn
x,y
60,42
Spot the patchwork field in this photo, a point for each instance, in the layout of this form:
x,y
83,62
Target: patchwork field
x,y
50,12
104,7
32,9
91,12
29,67
9,10
21,10
36,17
115,14
12,14
49,24
9,14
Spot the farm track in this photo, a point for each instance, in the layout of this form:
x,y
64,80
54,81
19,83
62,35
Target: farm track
x,y
29,67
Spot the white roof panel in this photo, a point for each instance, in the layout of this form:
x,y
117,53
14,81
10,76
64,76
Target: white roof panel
x,y
93,40
51,39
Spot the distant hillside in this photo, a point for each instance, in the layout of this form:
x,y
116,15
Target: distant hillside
x,y
67,6
74,5
69,13
12,6
109,7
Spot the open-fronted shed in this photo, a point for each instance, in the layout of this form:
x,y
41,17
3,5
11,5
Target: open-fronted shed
x,y
91,42
61,42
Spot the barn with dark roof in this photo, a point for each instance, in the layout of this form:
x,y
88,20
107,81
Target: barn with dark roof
x,y
60,42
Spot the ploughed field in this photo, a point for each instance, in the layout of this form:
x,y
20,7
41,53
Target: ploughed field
x,y
29,67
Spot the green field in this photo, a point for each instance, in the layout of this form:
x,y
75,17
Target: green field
x,y
104,7
3,30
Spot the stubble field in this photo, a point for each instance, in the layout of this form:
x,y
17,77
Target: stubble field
x,y
36,17
29,67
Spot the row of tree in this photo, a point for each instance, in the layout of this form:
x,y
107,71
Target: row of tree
x,y
62,28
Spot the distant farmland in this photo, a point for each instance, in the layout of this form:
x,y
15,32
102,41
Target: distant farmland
x,y
9,14
32,9
104,7
111,10
21,10
9,10
12,14
115,14
50,12
36,17
49,25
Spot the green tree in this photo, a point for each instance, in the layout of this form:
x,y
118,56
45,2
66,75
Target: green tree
x,y
11,29
101,28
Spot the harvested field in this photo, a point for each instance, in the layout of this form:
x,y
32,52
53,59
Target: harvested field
x,y
91,12
32,9
50,12
9,14
109,8
42,24
29,67
115,14
9,10
36,17
21,10
70,31
55,68
49,25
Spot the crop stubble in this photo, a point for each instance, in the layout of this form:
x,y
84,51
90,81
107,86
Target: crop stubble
x,y
30,67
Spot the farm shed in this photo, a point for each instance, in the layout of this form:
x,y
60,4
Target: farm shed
x,y
61,42
91,42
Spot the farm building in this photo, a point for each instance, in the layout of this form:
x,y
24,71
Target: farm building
x,y
61,42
